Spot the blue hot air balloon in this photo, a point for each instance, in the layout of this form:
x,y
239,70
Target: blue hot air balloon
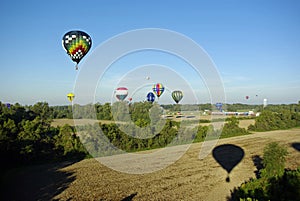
x,y
150,97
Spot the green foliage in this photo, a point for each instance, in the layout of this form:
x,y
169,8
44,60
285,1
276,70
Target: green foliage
x,y
283,188
26,136
95,142
104,111
67,143
270,120
273,160
274,183
231,128
140,113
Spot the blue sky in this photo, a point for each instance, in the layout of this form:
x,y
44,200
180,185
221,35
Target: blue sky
x,y
255,45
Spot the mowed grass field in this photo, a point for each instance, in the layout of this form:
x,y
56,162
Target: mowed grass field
x,y
189,178
244,123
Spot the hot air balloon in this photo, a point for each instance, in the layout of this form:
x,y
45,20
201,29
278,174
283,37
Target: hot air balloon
x,y
265,102
121,93
158,89
76,44
247,97
150,97
70,96
177,96
219,106
8,105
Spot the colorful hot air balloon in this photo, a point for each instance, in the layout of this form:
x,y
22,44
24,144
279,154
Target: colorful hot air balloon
x,y
121,93
150,97
177,96
77,44
158,89
70,96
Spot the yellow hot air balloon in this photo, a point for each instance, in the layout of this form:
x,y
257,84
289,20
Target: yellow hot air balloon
x,y
70,96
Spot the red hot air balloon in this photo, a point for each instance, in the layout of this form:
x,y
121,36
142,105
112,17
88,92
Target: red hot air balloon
x,y
121,93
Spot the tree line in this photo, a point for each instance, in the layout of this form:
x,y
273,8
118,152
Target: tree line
x,y
26,134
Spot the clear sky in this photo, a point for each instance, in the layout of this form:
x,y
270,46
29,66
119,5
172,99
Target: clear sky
x,y
255,44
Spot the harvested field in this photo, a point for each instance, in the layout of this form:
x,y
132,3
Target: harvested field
x,y
189,178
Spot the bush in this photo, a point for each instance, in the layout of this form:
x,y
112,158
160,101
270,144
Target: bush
x,y
274,183
231,128
273,160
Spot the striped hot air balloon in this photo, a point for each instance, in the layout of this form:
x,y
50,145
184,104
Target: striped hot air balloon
x,y
177,96
121,93
158,89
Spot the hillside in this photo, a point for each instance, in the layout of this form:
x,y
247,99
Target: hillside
x,y
188,179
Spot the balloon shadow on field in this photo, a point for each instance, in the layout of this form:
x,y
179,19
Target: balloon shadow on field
x,y
130,197
36,182
257,161
228,156
296,145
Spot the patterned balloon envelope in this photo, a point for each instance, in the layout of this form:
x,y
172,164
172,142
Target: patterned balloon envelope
x,y
150,97
177,96
121,93
70,96
76,44
158,89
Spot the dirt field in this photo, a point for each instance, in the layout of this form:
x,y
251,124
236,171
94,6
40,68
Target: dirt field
x,y
60,122
187,179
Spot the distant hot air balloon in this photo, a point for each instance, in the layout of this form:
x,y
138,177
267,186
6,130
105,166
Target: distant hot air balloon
x,y
219,106
121,93
76,44
70,96
8,105
150,97
158,89
147,78
247,97
177,96
265,102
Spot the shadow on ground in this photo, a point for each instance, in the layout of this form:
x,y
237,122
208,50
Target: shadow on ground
x,y
257,161
296,145
129,198
38,182
228,156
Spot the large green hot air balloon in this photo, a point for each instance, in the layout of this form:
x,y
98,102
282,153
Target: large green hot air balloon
x,y
77,44
177,96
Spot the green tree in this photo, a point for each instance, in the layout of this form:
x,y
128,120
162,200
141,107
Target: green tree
x,y
68,144
273,160
275,183
231,128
